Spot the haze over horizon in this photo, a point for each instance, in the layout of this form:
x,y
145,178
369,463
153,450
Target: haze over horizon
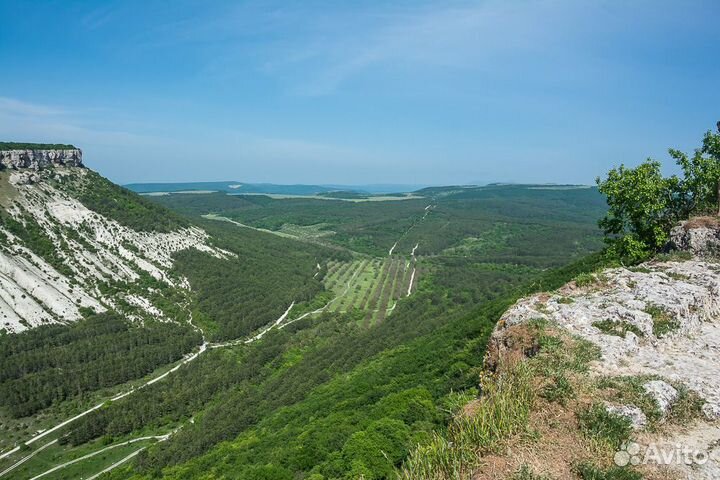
x,y
324,93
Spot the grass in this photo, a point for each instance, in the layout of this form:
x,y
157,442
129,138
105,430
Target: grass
x,y
663,322
617,328
674,256
526,473
630,390
504,407
503,410
588,279
688,406
677,276
558,357
585,279
604,427
559,390
589,471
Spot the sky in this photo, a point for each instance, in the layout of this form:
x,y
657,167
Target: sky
x,y
451,92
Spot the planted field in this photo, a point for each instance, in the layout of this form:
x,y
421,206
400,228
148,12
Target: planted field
x,y
370,285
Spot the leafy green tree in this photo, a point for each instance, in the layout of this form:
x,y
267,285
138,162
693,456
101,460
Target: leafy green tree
x,y
643,207
702,174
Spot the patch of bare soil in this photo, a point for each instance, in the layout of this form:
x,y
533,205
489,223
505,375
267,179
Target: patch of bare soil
x,y
701,222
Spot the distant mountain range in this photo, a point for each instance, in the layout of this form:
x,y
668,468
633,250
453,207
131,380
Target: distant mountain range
x,y
268,188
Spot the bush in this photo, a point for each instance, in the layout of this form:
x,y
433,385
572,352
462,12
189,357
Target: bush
x,y
644,205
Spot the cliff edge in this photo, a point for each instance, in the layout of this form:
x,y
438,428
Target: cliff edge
x,y
646,403
36,159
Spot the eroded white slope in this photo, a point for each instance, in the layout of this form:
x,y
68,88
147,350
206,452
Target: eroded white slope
x,y
96,249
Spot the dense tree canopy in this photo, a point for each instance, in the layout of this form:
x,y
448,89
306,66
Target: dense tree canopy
x,y
645,205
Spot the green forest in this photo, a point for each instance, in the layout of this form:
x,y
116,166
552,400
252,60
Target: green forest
x,y
329,395
49,364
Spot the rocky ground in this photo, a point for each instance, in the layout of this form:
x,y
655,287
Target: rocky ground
x,y
657,331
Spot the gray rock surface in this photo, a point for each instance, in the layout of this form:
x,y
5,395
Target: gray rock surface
x,y
636,416
664,394
683,298
37,159
701,236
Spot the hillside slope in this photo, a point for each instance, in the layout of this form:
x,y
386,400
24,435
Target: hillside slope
x,y
611,376
57,256
206,346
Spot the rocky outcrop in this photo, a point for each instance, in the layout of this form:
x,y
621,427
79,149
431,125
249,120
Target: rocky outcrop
x,y
700,235
38,159
95,251
658,323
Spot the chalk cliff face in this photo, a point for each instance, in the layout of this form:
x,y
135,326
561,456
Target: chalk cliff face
x,y
38,159
58,257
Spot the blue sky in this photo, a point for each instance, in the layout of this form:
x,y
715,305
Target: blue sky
x,y
360,92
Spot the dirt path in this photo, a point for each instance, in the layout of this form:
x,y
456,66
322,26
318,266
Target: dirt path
x,y
204,347
13,467
159,438
118,463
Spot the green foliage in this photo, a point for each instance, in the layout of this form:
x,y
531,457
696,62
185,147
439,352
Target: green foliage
x,y
585,280
327,397
34,146
644,205
501,411
599,424
559,390
34,237
663,322
630,390
495,224
618,328
122,205
589,471
48,364
687,407
702,174
559,357
300,415
238,295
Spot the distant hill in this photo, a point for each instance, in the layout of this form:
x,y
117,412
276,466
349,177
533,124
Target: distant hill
x,y
229,187
269,188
